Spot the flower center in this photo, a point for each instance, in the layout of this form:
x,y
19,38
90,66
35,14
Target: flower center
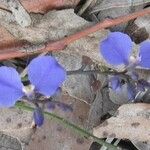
x,y
28,90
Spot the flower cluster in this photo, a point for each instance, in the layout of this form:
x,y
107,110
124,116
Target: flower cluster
x,y
116,49
45,74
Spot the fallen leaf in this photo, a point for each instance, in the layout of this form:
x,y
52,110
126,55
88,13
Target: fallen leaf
x,y
43,6
8,142
55,136
15,124
131,122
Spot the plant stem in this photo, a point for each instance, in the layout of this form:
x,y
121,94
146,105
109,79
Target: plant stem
x,y
68,124
87,72
73,72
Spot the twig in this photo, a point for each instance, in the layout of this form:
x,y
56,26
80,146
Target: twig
x,y
70,125
84,7
61,44
109,140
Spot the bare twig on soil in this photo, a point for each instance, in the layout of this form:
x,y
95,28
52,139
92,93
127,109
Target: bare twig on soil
x,y
14,52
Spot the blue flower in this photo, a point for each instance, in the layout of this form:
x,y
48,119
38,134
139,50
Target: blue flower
x,y
131,89
45,74
116,49
142,84
145,54
10,86
115,83
38,116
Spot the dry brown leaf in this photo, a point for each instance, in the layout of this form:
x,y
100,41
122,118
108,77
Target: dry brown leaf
x,y
17,124
42,6
6,38
55,136
8,41
132,121
45,5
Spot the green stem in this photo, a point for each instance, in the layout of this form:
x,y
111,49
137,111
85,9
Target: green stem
x,y
88,72
68,124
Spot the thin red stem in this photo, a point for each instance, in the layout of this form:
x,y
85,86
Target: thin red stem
x,y
61,44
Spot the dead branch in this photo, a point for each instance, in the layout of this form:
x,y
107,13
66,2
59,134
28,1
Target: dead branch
x,y
18,51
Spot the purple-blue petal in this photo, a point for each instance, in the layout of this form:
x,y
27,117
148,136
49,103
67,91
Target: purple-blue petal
x,y
140,87
10,86
38,116
131,91
115,83
51,105
133,75
144,83
46,74
116,48
64,107
145,54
